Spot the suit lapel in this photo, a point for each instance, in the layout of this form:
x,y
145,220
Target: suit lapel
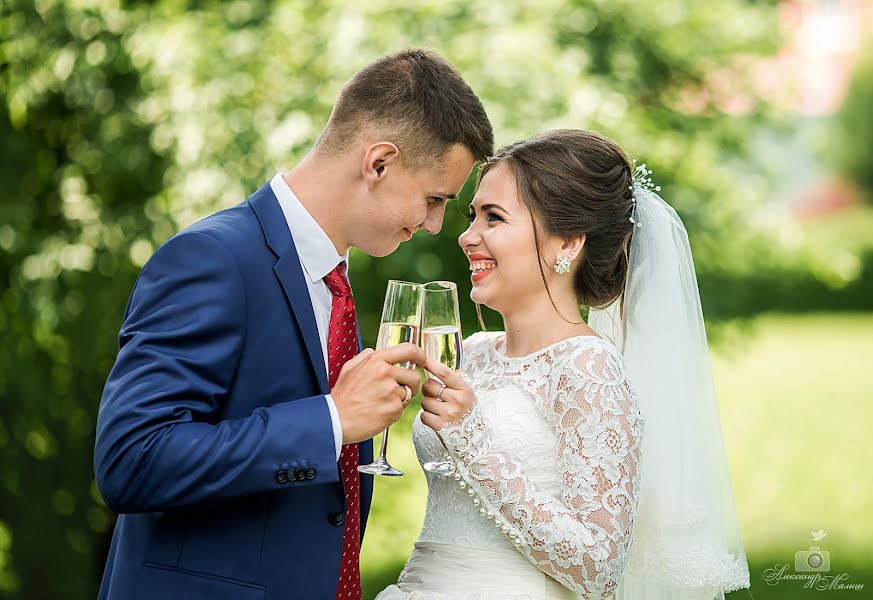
x,y
291,277
293,281
290,274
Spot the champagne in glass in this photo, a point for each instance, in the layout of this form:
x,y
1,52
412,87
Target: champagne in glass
x,y
392,334
443,343
441,339
401,318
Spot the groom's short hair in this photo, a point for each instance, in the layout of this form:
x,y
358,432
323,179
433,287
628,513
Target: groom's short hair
x,y
418,100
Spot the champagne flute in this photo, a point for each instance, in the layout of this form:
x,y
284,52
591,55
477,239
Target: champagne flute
x,y
441,339
401,318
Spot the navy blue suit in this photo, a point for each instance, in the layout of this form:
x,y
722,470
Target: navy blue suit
x,y
214,439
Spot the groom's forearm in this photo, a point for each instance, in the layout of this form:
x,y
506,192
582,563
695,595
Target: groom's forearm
x,y
184,465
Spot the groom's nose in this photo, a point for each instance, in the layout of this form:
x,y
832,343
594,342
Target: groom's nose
x,y
434,220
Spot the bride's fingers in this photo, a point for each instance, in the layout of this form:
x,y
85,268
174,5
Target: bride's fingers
x,y
448,376
432,388
435,422
432,406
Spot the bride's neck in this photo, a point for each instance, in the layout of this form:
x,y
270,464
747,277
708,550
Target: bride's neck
x,y
537,325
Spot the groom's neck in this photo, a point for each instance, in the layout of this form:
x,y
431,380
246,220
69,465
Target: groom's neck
x,y
320,186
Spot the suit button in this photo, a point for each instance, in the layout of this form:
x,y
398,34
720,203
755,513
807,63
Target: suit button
x,y
300,474
281,477
292,475
310,473
336,518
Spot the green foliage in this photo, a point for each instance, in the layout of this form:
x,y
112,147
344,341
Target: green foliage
x,y
123,123
75,175
852,151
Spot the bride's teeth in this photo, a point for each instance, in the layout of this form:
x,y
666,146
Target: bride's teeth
x,y
480,266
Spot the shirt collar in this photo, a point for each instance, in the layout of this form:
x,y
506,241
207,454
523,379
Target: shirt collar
x,y
318,255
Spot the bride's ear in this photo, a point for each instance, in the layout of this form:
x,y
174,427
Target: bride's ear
x,y
572,247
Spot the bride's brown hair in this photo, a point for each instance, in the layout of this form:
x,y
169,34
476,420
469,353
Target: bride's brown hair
x,y
577,182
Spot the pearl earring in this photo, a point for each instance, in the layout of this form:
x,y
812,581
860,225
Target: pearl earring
x,y
563,265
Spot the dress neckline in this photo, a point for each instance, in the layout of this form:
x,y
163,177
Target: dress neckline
x,y
501,357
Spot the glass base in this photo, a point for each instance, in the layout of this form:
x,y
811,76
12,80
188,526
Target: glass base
x,y
440,467
380,467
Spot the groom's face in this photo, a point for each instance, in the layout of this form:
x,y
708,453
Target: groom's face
x,y
410,199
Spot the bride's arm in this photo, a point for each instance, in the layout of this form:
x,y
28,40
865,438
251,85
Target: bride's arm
x,y
582,538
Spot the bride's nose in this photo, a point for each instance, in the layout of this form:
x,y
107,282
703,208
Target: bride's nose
x,y
468,239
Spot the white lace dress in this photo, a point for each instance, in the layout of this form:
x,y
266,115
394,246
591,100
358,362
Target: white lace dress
x,y
543,501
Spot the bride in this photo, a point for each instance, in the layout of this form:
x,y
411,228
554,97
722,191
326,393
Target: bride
x,y
587,457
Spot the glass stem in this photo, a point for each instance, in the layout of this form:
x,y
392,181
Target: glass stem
x,y
383,453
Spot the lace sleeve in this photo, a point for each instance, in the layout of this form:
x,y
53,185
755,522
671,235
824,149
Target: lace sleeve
x,y
582,538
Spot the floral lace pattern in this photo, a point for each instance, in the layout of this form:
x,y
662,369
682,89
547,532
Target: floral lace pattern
x,y
571,515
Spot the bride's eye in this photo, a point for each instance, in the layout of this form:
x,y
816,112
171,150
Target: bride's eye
x,y
471,216
493,217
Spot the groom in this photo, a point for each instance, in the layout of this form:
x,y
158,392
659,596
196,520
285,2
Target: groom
x,y
238,408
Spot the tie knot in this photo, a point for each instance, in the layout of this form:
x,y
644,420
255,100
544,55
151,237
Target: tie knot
x,y
337,281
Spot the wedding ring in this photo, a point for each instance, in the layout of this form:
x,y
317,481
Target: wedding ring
x,y
408,394
441,391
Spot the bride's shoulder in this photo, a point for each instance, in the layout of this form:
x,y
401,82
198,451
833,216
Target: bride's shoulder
x,y
590,354
594,367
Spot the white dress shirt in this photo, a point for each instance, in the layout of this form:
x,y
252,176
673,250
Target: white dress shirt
x,y
318,257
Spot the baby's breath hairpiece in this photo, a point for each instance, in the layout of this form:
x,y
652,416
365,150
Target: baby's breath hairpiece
x,y
640,181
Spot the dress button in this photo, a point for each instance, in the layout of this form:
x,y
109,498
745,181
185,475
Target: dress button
x,y
300,474
281,477
336,518
310,473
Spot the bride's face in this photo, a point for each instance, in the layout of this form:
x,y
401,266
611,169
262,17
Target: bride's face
x,y
500,244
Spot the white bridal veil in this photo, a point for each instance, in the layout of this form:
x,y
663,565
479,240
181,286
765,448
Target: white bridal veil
x,y
686,542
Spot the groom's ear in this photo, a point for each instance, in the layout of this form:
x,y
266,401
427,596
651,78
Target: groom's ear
x,y
377,159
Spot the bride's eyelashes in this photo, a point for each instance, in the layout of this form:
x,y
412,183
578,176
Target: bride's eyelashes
x,y
489,216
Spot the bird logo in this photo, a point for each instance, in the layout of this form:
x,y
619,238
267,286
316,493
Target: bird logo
x,y
819,535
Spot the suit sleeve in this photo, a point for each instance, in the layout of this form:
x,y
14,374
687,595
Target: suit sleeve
x,y
160,445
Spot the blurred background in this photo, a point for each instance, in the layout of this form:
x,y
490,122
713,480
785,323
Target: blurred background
x,y
123,122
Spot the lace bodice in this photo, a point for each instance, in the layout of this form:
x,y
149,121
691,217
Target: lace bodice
x,y
547,461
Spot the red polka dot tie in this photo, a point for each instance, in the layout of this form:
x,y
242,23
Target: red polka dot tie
x,y
342,344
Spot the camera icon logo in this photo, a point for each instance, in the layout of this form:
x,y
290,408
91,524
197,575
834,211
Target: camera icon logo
x,y
813,560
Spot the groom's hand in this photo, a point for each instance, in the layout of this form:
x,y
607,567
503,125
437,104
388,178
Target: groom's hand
x,y
371,391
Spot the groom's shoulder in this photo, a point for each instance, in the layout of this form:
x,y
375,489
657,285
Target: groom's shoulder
x,y
228,224
229,234
233,227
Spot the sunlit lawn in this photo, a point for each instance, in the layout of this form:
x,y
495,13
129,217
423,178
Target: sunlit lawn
x,y
797,408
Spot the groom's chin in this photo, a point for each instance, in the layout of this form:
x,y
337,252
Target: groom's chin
x,y
379,250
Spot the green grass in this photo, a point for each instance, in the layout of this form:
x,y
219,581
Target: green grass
x,y
797,407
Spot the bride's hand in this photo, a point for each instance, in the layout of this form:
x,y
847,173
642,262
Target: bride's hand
x,y
444,400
